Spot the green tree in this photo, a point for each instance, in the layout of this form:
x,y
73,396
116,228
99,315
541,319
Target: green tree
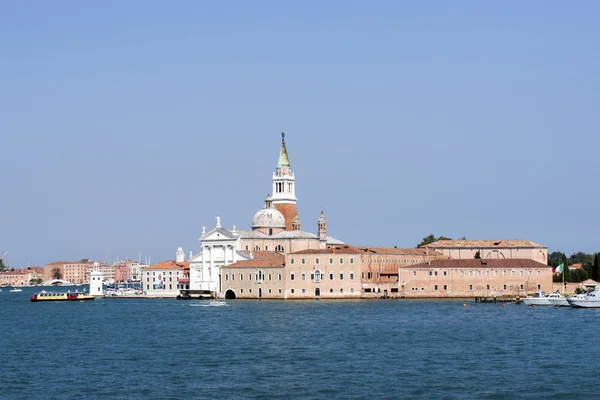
x,y
430,239
595,275
478,255
56,273
2,266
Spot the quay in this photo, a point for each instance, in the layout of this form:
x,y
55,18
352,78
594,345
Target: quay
x,y
497,299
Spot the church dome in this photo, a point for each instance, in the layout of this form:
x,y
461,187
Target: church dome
x,y
268,218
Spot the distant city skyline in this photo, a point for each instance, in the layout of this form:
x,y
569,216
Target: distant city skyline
x,y
128,126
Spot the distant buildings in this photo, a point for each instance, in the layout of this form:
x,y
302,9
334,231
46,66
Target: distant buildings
x,y
20,276
78,272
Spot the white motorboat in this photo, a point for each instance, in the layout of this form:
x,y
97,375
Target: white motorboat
x,y
588,300
538,299
15,290
217,303
557,300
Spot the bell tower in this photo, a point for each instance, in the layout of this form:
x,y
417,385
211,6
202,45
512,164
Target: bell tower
x,y
284,187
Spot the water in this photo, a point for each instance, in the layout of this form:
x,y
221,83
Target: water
x,y
387,349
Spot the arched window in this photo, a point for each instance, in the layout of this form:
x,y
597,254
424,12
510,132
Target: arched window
x,y
279,248
256,248
260,276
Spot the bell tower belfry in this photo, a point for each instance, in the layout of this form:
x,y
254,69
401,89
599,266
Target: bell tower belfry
x,y
284,188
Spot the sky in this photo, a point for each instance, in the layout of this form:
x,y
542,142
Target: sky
x,y
126,126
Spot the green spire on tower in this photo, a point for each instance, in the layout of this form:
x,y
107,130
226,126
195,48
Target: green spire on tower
x,y
284,161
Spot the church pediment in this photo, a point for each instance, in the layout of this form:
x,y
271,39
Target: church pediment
x,y
218,234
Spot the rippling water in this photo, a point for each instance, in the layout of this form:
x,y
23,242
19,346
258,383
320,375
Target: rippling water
x,y
170,349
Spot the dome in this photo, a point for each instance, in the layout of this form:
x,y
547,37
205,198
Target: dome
x,y
268,218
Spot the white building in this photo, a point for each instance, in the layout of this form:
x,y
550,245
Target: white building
x,y
219,247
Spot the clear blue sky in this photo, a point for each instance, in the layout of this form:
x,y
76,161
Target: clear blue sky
x,y
125,126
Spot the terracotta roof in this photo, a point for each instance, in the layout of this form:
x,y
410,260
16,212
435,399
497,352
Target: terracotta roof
x,y
70,262
343,249
169,264
447,244
265,263
575,266
267,255
477,263
420,251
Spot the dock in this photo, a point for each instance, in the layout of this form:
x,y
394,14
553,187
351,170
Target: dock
x,y
497,299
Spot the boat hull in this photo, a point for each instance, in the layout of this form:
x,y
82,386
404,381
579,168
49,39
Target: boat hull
x,y
584,304
559,302
536,301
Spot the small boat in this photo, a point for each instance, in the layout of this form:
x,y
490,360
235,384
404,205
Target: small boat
x,y
61,296
539,298
557,300
588,300
15,290
217,303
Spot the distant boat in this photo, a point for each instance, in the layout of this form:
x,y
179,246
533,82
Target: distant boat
x,y
538,299
15,290
61,296
557,300
588,300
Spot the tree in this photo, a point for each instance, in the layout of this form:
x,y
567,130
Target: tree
x,y
56,273
2,266
595,275
478,255
430,239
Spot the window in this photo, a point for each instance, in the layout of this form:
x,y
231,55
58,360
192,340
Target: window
x,y
351,260
292,261
317,261
291,277
292,291
538,273
249,276
341,276
331,290
270,233
504,287
331,261
303,261
435,273
445,273
351,276
279,291
249,290
269,291
269,278
370,275
521,273
260,276
331,276
539,286
435,287
303,276
512,273
279,276
341,260
470,287
241,290
256,248
241,276
278,248
232,276
363,275
414,273
303,290
445,287
352,290
521,287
